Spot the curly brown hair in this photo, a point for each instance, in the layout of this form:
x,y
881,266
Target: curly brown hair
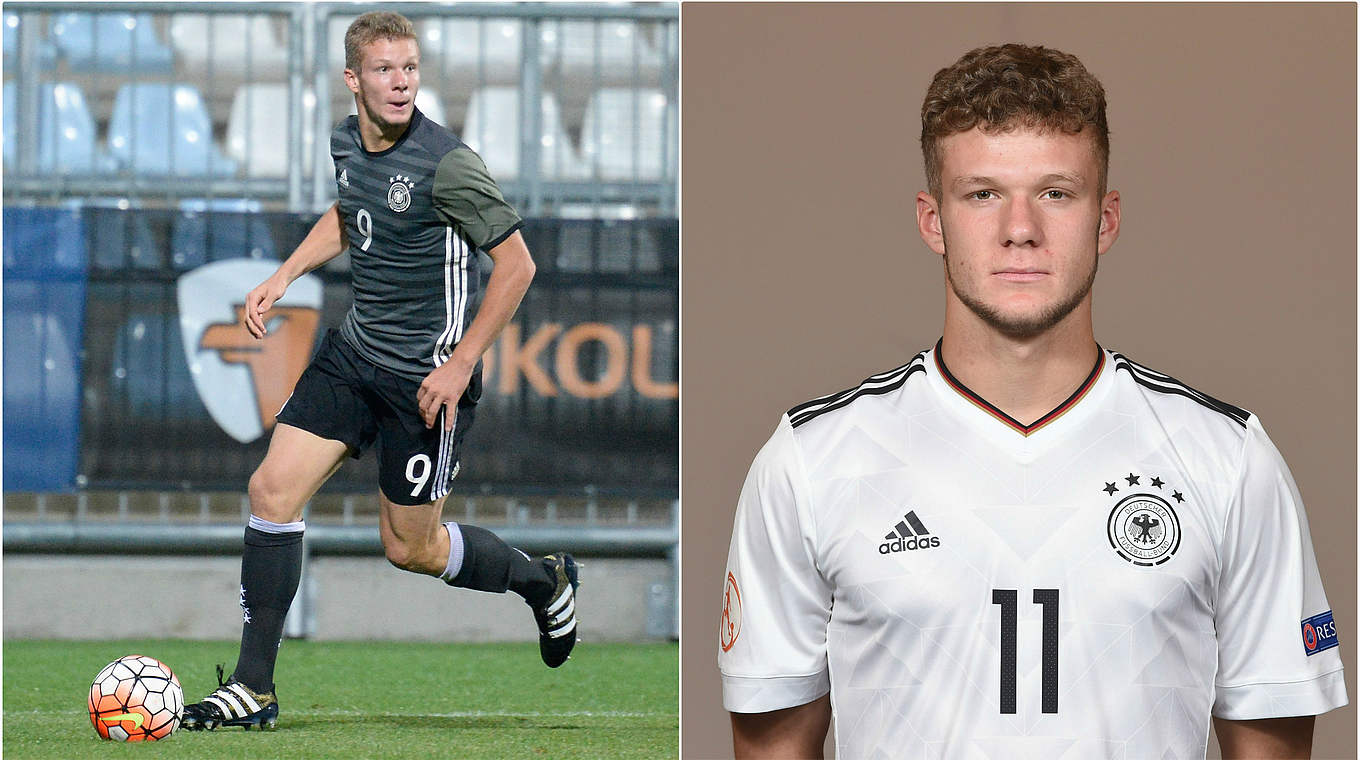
x,y
1004,87
373,26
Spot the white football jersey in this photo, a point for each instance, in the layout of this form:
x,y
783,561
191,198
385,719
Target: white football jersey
x,y
1093,585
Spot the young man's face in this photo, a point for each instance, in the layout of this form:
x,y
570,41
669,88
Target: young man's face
x,y
1020,222
386,82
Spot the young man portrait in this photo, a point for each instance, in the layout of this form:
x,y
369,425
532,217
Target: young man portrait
x,y
403,370
1021,541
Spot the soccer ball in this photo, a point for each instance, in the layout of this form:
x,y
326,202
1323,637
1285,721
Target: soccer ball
x,y
135,698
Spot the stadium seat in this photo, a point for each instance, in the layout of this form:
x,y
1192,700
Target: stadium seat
x,y
479,50
164,129
65,131
123,240
620,122
491,128
44,311
257,129
335,45
431,105
234,47
106,42
221,228
46,57
337,97
149,369
341,99
591,54
601,245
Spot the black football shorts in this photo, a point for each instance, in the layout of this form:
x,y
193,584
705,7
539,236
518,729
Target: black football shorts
x,y
344,397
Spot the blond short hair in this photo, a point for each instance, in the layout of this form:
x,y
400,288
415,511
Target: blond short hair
x,y
371,27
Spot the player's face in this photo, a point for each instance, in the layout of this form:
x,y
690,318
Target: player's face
x,y
1021,223
386,82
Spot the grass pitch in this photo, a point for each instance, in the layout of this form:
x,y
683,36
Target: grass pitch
x,y
369,700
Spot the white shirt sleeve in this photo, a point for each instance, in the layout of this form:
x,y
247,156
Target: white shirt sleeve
x,y
1277,652
772,637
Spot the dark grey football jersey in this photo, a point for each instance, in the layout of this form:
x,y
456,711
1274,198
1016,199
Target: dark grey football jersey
x,y
415,215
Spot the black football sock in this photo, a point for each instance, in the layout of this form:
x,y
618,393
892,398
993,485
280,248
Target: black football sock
x,y
480,560
271,565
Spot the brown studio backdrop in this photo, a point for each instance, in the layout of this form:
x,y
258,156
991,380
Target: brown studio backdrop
x,y
1233,147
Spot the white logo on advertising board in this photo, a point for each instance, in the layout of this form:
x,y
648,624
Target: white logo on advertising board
x,y
243,381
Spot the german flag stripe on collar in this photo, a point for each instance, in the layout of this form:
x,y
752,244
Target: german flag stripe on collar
x,y
1010,421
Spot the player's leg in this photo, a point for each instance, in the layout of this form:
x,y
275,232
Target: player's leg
x,y
471,557
416,468
467,556
297,464
325,419
412,535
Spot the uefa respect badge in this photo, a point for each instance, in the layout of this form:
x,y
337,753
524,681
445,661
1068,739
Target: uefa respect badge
x,y
1319,633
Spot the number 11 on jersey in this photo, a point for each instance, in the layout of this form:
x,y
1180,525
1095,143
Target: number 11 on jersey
x,y
1048,599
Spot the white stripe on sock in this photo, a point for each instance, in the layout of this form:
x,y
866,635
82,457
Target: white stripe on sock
x,y
455,552
265,526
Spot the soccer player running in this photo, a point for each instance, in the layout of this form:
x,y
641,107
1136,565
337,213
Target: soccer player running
x,y
1021,544
414,206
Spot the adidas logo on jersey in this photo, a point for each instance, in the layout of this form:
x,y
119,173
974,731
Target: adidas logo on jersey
x,y
909,533
344,178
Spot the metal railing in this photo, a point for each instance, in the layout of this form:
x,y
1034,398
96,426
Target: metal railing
x,y
82,533
310,79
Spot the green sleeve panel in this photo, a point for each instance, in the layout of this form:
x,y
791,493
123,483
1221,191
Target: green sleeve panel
x,y
467,197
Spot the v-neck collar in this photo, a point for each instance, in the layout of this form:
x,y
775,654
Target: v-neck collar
x,y
1006,419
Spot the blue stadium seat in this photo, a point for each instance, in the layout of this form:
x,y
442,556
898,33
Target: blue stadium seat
x,y
222,228
65,130
111,42
164,129
149,369
120,239
44,310
46,57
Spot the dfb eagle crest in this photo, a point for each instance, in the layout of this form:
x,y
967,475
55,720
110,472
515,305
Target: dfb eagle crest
x,y
1143,527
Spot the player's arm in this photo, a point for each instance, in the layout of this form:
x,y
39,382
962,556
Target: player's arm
x,y
325,241
776,609
794,732
466,196
509,281
1279,663
1267,739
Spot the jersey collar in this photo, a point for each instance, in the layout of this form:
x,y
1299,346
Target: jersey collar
x,y
1006,419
